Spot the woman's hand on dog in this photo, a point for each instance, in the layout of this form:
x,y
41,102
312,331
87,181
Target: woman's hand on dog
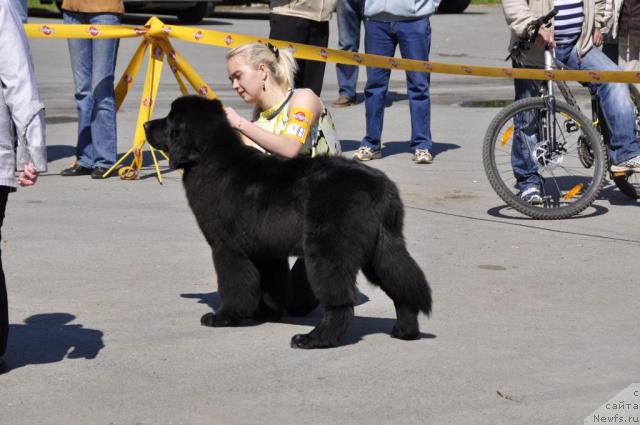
x,y
234,118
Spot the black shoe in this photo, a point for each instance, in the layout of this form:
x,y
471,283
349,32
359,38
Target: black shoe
x,y
3,367
98,173
76,170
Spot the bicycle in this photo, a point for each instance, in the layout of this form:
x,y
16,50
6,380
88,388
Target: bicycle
x,y
563,145
628,182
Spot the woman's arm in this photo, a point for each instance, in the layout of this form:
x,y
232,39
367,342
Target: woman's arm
x,y
304,110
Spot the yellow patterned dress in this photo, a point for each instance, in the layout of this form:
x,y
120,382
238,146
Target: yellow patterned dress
x,y
292,122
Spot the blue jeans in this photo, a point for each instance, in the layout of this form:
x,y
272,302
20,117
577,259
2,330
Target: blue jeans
x,y
414,38
93,65
615,103
21,7
349,21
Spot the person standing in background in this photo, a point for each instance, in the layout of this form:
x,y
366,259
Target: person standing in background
x,y
609,42
21,118
350,16
93,63
389,24
306,22
626,28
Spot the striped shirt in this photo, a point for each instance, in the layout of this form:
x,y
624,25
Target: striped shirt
x,y
568,21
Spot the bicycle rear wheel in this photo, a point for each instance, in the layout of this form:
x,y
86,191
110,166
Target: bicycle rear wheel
x,y
571,174
629,184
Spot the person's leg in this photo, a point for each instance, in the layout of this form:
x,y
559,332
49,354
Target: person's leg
x,y
80,51
611,50
525,136
4,305
314,70
295,30
103,119
378,41
414,38
629,55
349,13
615,101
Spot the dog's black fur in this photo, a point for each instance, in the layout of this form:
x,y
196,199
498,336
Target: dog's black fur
x,y
255,210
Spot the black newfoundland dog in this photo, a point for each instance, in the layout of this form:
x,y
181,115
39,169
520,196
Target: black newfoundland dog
x,y
256,210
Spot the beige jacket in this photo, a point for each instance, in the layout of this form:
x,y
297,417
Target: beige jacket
x,y
519,13
94,6
315,10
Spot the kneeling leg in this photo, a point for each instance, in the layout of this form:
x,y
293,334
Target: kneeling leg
x,y
274,284
302,300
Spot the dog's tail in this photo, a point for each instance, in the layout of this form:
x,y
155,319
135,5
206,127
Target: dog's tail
x,y
392,267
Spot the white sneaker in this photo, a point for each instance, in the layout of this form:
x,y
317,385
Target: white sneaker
x,y
531,195
632,164
367,154
422,156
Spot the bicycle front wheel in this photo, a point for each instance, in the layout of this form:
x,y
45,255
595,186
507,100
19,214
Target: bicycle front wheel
x,y
565,160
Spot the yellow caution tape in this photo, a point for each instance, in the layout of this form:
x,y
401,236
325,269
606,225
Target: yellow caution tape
x,y
302,51
156,36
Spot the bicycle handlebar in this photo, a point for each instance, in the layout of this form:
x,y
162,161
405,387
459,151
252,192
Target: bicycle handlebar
x,y
533,28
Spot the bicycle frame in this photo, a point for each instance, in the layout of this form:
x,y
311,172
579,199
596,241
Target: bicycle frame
x,y
550,99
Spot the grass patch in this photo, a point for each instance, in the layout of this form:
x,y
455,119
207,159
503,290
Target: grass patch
x,y
485,1
35,4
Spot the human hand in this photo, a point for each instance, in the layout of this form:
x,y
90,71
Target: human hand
x,y
597,37
233,117
28,176
545,38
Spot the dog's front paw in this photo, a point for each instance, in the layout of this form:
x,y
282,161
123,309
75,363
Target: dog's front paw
x,y
308,341
215,321
405,332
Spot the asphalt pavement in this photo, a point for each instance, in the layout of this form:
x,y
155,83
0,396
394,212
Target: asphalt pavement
x,y
534,322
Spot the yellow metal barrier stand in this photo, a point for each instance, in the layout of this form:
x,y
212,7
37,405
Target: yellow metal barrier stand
x,y
149,95
130,74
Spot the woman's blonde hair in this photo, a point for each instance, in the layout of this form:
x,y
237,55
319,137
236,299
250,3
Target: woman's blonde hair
x,y
281,63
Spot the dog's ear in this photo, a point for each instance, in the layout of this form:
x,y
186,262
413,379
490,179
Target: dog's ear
x,y
182,152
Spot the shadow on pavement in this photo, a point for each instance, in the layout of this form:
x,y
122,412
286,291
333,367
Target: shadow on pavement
x,y
393,148
616,197
360,327
55,152
505,211
212,299
48,338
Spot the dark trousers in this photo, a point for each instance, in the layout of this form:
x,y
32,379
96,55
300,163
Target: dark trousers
x,y
299,30
4,306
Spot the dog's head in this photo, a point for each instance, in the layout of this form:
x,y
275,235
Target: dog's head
x,y
187,132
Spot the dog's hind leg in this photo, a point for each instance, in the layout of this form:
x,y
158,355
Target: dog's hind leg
x,y
397,273
334,287
238,286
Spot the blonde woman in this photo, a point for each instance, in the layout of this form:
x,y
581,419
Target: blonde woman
x,y
286,120
285,124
